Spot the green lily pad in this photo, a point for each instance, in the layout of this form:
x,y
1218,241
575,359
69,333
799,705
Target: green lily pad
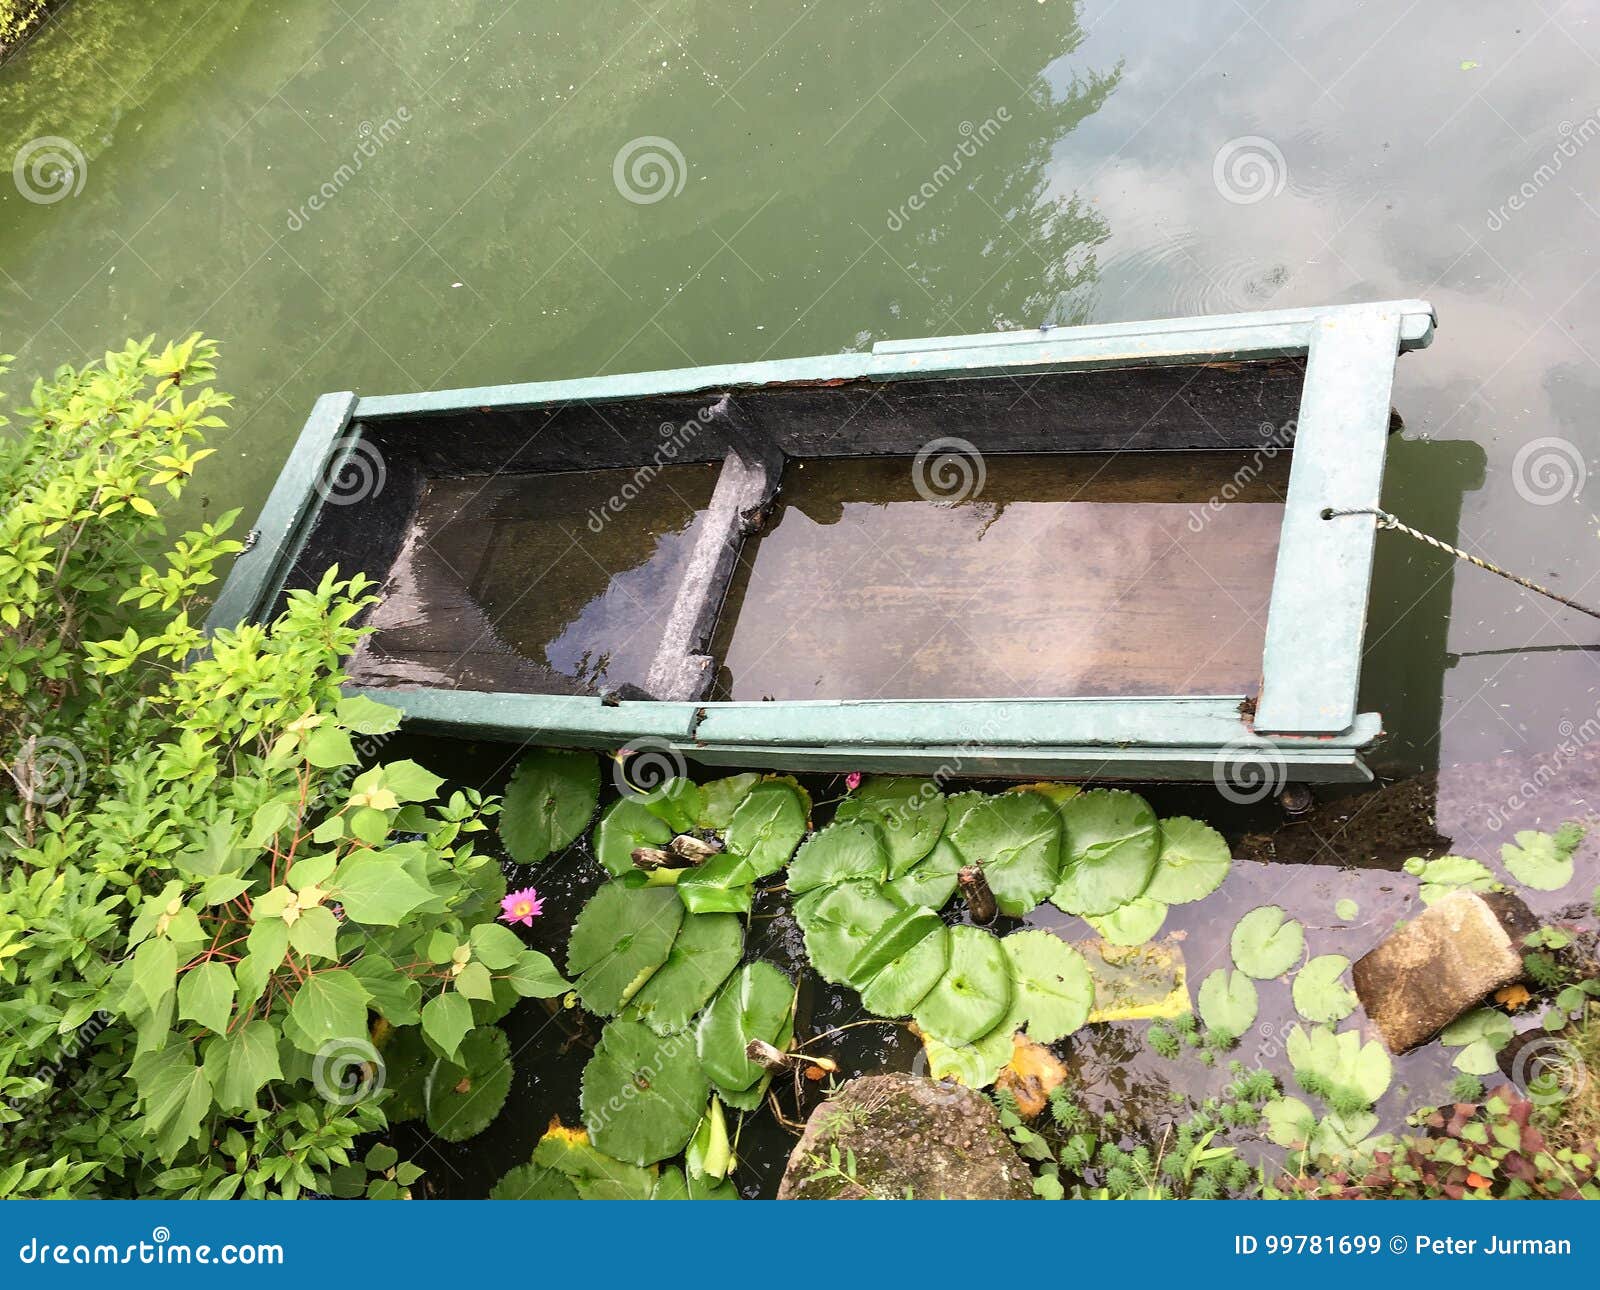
x,y
1228,1003
899,934
595,1175
1480,1035
1446,874
624,825
839,853
1016,838
974,1065
1052,991
621,937
904,982
767,827
674,1185
1338,1135
1130,924
407,1062
909,813
707,948
677,801
722,885
932,880
465,1096
1543,861
1289,1122
1111,844
533,1182
1339,1067
721,797
548,803
838,922
643,1094
1191,864
1320,993
756,1004
974,993
1266,942
1346,910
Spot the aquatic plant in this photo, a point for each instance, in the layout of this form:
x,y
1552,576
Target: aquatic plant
x,y
521,906
1266,942
548,803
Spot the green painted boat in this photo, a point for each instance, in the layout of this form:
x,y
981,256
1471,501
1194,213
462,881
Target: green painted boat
x,y
1095,552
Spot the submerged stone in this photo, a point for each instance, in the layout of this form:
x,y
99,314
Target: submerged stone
x,y
1444,962
908,1136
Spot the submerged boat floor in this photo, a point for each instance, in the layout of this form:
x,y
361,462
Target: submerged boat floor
x,y
1067,574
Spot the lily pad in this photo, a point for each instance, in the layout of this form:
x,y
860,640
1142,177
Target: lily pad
x,y
621,937
1016,838
677,801
839,853
1346,910
465,1096
974,1065
1339,1068
1130,924
624,825
721,797
1052,989
1320,993
548,803
909,813
674,1185
974,993
904,982
595,1175
932,881
838,922
756,1004
899,934
722,885
534,1182
1543,861
1338,1135
1111,844
1289,1122
767,827
1228,1003
1446,874
643,1094
1480,1035
707,948
1191,864
1266,942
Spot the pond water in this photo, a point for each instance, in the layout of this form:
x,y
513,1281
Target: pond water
x,y
408,196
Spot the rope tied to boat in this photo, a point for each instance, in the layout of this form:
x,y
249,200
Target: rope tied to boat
x,y
1388,521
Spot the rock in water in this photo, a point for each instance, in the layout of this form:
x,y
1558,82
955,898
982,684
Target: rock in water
x,y
1444,962
910,1136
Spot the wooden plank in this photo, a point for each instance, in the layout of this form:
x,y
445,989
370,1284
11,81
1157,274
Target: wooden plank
x,y
1318,614
258,574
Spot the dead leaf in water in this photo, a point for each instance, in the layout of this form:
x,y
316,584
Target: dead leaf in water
x,y
1513,997
1030,1075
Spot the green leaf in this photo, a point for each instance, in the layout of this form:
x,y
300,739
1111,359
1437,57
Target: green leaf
x,y
838,922
1228,1003
465,1095
328,747
548,803
932,881
1266,942
1051,987
331,1004
621,937
176,1097
205,994
899,934
1542,861
1339,1066
974,993
411,782
1290,1122
239,1064
376,889
839,853
367,716
1346,910
904,982
909,815
155,965
1446,874
446,1019
316,932
643,1095
1016,838
719,886
707,948
531,1182
534,976
721,797
1480,1035
474,981
596,1176
677,801
624,825
1111,844
757,1003
767,826
1130,924
395,996
1192,862
1320,993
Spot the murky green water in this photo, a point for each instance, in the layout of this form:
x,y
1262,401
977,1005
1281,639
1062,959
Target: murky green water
x,y
406,196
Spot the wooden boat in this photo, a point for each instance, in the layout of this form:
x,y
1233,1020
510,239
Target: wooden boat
x,y
1096,552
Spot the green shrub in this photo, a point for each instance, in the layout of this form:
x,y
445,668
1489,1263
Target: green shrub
x,y
208,918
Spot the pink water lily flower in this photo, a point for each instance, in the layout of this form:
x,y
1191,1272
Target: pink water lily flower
x,y
852,781
522,906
